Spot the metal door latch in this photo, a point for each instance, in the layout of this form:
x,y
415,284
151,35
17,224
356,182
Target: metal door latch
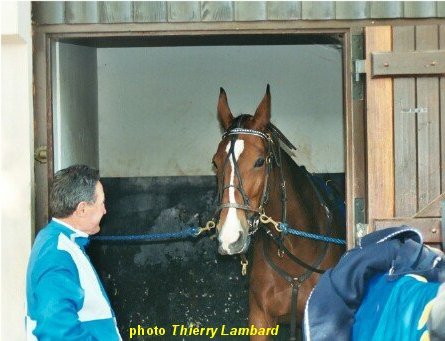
x,y
40,154
360,68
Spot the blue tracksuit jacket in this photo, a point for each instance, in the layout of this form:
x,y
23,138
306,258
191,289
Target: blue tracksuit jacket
x,y
65,298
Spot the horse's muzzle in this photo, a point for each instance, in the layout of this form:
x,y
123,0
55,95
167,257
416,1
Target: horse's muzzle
x,y
239,246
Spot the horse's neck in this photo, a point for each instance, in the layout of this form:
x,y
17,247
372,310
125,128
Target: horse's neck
x,y
303,207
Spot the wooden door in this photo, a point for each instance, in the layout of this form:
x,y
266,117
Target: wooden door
x,y
405,95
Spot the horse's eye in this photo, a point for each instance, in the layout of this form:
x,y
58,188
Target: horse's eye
x,y
259,162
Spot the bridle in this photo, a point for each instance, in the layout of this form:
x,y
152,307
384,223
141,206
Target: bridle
x,y
252,213
273,155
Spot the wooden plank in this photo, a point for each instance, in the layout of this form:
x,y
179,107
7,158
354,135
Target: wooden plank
x,y
150,11
356,133
428,155
430,228
433,209
111,12
386,9
216,10
250,10
379,129
283,10
408,63
183,11
41,172
48,12
81,12
318,10
352,10
53,12
358,48
356,185
419,9
441,9
442,110
405,147
355,139
442,228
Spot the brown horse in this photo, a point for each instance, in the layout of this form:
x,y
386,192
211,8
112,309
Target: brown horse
x,y
258,181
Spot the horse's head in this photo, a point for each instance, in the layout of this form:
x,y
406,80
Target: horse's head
x,y
242,164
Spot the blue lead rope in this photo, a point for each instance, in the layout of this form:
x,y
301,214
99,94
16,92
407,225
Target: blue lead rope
x,y
189,232
195,232
286,229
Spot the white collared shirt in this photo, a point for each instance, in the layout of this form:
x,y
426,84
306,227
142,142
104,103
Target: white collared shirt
x,y
78,233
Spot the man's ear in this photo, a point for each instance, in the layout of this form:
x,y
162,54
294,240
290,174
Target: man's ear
x,y
81,208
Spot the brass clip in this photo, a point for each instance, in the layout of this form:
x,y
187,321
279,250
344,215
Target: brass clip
x,y
209,226
244,263
266,220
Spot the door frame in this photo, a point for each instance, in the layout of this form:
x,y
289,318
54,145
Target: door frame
x,y
46,35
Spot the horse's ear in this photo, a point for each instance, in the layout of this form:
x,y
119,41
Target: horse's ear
x,y
262,113
224,114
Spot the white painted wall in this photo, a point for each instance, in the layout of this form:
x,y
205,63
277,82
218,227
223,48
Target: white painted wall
x,y
75,106
17,178
157,105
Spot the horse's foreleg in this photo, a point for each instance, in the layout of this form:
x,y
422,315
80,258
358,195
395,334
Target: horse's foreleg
x,y
259,318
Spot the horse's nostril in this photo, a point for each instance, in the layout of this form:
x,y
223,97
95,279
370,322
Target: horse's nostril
x,y
222,251
238,244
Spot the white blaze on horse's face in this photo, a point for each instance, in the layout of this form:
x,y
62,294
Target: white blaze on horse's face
x,y
231,230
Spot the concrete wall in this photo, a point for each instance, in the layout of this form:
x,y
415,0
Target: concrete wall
x,y
75,106
16,165
157,105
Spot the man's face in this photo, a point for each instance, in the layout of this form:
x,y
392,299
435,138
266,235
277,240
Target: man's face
x,y
95,211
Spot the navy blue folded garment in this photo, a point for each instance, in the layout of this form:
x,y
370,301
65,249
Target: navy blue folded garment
x,y
396,251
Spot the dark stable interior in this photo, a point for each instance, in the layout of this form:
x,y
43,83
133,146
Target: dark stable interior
x,y
182,281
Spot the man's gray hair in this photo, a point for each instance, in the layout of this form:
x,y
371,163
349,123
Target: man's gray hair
x,y
71,186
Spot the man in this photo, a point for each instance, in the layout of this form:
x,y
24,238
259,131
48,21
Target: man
x,y
65,298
